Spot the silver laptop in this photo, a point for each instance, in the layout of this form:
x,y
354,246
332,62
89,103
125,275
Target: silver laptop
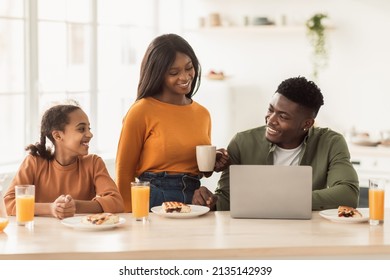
x,y
270,191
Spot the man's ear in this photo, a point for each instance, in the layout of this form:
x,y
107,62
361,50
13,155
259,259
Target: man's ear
x,y
309,123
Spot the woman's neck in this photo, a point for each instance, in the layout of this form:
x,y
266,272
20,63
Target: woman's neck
x,y
171,99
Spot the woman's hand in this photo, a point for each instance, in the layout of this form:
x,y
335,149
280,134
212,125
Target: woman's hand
x,y
63,207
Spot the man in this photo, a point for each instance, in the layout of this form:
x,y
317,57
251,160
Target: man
x,y
289,138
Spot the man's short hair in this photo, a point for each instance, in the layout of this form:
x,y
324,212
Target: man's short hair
x,y
303,92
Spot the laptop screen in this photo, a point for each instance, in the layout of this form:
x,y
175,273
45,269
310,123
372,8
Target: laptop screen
x,y
270,191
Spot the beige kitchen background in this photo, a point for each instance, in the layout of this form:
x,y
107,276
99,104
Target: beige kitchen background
x,y
90,50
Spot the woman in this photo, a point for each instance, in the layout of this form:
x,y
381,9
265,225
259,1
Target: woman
x,y
67,180
162,128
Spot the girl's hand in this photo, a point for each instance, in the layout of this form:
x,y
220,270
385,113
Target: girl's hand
x,y
63,207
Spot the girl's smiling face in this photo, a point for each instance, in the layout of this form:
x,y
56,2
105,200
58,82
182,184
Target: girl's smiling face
x,y
74,140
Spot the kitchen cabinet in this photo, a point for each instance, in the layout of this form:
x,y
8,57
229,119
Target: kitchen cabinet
x,y
371,162
232,109
216,97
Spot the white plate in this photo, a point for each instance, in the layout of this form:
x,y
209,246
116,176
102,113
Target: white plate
x,y
76,223
196,210
332,214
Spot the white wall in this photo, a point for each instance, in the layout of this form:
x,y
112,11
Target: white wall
x,y
354,84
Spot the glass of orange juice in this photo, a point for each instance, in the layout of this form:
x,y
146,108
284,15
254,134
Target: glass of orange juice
x,y
376,200
3,212
25,203
140,194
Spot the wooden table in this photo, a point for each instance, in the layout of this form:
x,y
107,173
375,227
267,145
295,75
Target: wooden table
x,y
214,235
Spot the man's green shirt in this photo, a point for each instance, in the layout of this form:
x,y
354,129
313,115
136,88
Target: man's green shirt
x,y
335,181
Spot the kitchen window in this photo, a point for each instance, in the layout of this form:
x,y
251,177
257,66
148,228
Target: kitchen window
x,y
55,50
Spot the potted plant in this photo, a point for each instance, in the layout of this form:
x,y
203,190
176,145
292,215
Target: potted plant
x,y
317,38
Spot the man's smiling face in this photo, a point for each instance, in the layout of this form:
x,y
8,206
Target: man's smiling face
x,y
287,122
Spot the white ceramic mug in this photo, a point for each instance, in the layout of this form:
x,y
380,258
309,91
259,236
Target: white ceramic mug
x,y
205,157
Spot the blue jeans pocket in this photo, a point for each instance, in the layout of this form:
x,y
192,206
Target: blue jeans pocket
x,y
166,187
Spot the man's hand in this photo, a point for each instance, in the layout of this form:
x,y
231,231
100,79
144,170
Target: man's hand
x,y
203,196
222,160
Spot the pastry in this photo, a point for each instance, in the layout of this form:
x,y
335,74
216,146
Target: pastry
x,y
101,219
346,211
175,207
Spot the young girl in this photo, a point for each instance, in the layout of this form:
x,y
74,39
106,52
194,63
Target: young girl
x,y
164,125
67,180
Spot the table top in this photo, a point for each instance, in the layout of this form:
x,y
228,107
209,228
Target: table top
x,y
214,235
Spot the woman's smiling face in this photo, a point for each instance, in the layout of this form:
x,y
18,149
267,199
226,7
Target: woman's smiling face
x,y
179,77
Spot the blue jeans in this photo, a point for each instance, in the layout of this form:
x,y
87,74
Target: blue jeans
x,y
169,187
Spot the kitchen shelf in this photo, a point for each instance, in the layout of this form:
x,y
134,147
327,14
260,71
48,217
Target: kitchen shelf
x,y
251,28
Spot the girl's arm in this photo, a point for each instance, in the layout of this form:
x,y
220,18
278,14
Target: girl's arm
x,y
84,206
62,207
108,197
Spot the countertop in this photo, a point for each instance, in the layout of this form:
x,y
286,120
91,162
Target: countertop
x,y
214,235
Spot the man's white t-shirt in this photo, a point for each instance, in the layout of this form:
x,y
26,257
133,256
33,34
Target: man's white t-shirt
x,y
287,156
